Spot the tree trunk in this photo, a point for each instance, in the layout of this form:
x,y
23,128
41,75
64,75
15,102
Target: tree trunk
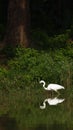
x,y
18,23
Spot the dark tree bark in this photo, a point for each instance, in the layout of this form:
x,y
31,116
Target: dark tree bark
x,y
18,23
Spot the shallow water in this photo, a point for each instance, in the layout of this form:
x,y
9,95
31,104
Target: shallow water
x,y
23,114
7,123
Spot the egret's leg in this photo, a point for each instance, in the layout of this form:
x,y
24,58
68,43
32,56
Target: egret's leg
x,y
47,94
51,93
58,93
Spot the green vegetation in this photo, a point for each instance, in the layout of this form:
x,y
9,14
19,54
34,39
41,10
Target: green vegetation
x,y
42,40
50,57
20,91
20,72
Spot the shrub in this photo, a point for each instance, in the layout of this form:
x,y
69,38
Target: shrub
x,y
30,66
43,41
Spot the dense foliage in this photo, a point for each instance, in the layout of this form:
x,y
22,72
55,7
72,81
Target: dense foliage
x,y
20,91
30,66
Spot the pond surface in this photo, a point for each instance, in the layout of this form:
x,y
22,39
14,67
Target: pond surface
x,y
21,111
7,123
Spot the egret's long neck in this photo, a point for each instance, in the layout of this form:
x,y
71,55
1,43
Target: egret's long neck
x,y
44,85
44,105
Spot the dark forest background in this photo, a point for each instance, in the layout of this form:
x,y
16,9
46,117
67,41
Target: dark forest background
x,y
50,16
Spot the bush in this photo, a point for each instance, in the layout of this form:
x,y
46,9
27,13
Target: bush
x,y
43,41
30,66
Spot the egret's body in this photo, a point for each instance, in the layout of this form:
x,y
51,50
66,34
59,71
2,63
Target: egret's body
x,y
50,101
54,87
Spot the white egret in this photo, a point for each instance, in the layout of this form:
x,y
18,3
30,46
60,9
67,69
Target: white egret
x,y
51,101
54,87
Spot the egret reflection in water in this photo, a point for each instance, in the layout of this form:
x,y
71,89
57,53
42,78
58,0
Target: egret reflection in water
x,y
51,101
